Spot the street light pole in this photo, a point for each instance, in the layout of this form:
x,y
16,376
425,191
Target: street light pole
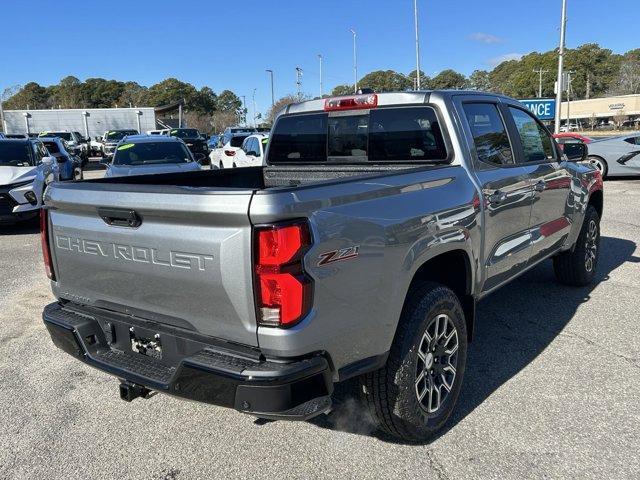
x,y
415,15
355,63
254,107
273,98
320,59
563,27
244,108
299,82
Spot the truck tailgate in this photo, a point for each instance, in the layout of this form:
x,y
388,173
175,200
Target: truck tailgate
x,y
187,264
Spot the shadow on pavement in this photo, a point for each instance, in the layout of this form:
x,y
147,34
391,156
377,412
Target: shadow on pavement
x,y
513,326
25,227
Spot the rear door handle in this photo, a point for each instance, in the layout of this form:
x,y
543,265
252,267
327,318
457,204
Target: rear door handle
x,y
120,217
497,197
540,186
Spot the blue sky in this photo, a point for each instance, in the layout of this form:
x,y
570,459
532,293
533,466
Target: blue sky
x,y
230,44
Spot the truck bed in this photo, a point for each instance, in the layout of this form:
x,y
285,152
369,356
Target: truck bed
x,y
258,178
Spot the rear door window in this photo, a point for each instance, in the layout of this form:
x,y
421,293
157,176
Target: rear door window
x,y
489,133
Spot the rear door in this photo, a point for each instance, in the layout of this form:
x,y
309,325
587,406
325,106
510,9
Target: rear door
x,y
506,190
551,210
174,255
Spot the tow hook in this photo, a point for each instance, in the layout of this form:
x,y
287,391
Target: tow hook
x,y
131,391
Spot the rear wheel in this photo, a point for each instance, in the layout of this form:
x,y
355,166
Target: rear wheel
x,y
414,394
578,267
599,163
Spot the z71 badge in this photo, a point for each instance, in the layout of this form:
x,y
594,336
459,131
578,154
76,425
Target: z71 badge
x,y
338,255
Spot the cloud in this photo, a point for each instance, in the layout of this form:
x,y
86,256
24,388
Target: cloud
x,y
485,38
494,62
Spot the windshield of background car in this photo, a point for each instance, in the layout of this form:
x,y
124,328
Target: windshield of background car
x,y
402,134
119,135
64,135
185,133
237,140
151,153
52,147
14,154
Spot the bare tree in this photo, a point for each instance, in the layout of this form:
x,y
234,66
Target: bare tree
x,y
619,119
280,104
200,121
628,81
222,120
593,121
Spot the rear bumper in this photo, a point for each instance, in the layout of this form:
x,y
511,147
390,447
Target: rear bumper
x,y
216,372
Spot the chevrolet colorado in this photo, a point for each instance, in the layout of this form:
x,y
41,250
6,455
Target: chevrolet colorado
x,y
359,250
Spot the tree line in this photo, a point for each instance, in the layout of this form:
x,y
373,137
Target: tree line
x,y
595,72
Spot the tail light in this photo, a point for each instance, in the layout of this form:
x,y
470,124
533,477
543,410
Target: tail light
x,y
283,290
44,240
355,102
229,153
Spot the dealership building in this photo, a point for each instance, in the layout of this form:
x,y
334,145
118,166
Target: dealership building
x,y
623,108
93,122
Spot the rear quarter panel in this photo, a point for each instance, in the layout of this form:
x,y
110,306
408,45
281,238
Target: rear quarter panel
x,y
396,222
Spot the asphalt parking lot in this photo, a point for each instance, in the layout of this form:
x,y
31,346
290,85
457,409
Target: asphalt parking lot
x,y
551,391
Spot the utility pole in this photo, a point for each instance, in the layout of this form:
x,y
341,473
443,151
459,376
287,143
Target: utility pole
x,y
320,59
540,72
299,82
2,122
254,107
355,63
569,73
415,15
244,109
273,98
563,28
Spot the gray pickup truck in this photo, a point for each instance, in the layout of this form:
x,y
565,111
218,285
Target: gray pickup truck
x,y
359,250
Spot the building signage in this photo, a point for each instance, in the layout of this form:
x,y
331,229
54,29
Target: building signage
x,y
543,108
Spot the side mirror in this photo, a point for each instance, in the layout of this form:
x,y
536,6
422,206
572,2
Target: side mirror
x,y
576,152
47,160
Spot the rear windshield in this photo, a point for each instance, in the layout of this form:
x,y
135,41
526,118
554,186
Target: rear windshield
x,y
14,154
237,141
184,133
151,153
52,147
404,134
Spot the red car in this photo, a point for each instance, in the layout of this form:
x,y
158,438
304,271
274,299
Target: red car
x,y
568,136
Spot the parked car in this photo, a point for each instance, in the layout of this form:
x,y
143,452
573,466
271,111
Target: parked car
x,y
25,170
251,154
568,136
70,165
111,138
194,141
359,250
74,140
617,156
224,156
147,154
213,141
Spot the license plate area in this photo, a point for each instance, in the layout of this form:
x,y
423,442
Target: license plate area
x,y
149,347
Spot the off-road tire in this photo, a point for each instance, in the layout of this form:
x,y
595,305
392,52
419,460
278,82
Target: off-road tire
x,y
390,393
572,267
